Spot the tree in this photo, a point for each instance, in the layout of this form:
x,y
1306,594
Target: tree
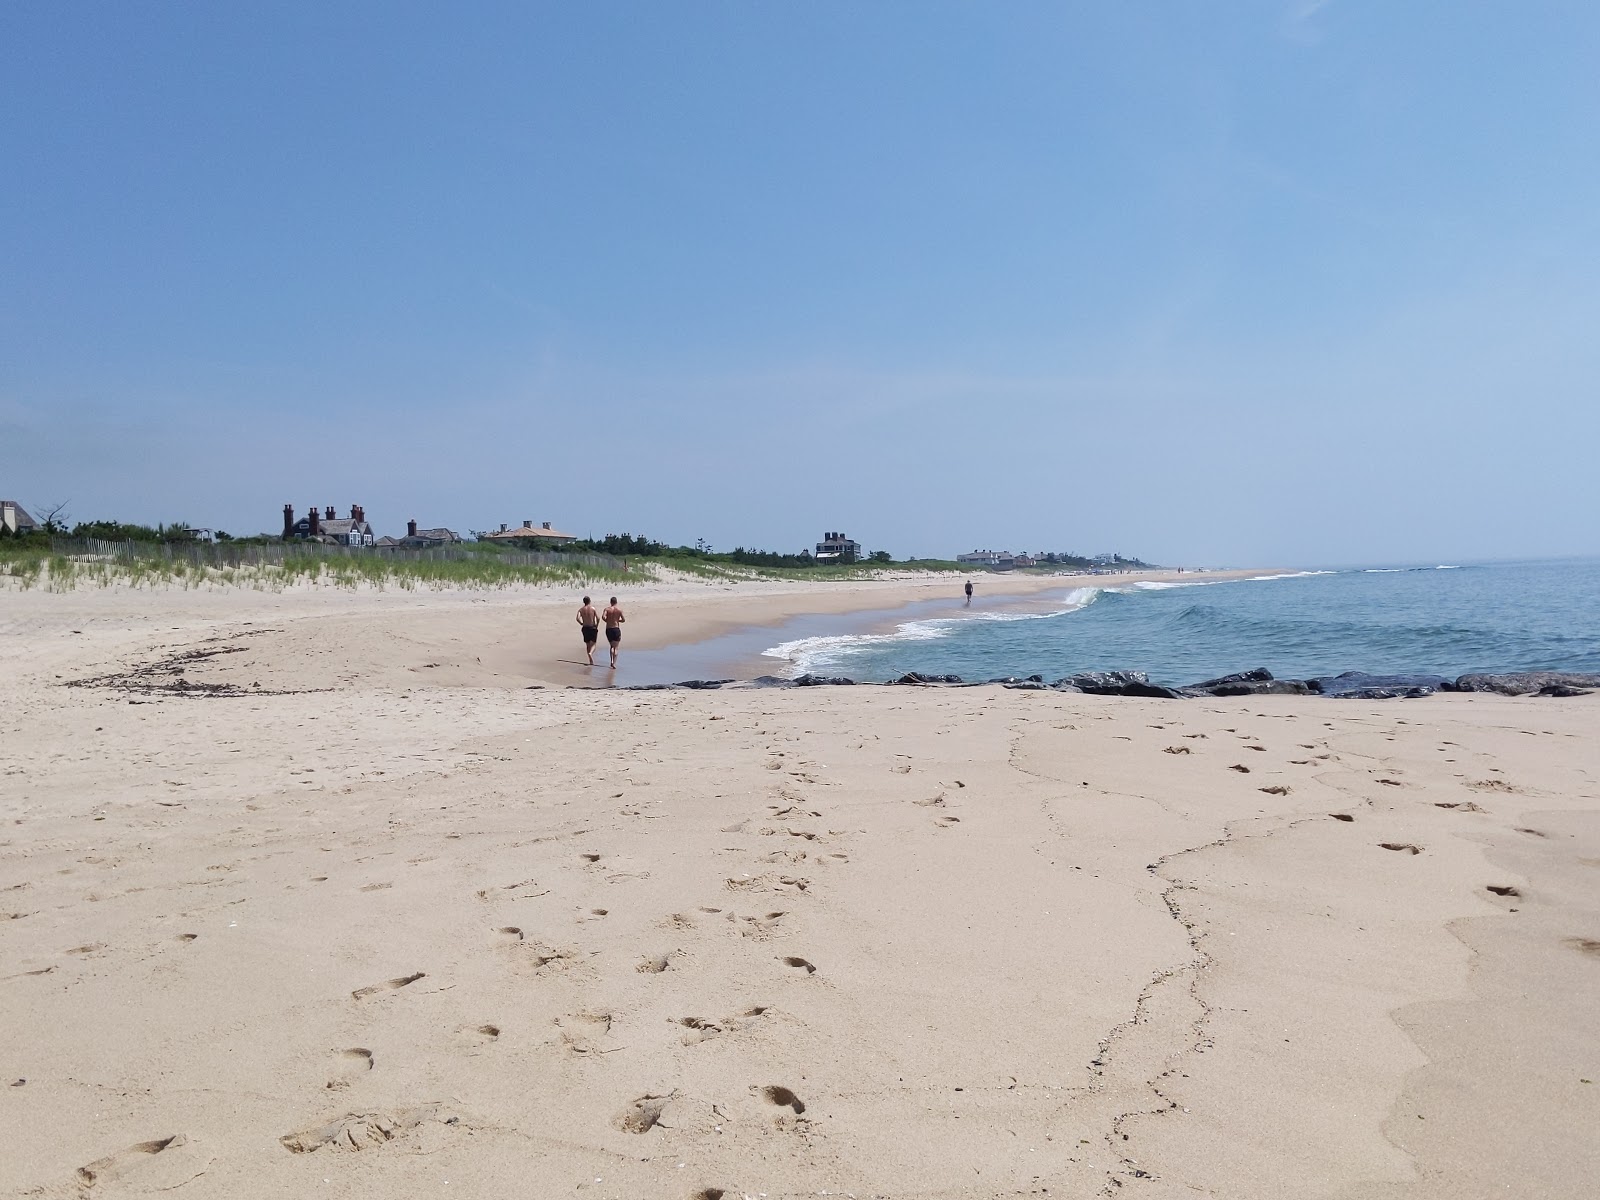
x,y
879,556
53,518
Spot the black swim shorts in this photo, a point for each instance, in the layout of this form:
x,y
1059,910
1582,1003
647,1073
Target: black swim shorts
x,y
613,634
591,634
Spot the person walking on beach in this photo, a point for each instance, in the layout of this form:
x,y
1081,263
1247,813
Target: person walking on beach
x,y
590,621
969,591
613,618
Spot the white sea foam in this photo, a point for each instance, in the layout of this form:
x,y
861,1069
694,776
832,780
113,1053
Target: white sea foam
x,y
1162,585
812,654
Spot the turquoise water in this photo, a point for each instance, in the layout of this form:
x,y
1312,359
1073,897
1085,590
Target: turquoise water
x,y
1439,619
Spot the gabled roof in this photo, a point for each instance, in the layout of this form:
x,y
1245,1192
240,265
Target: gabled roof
x,y
341,527
22,514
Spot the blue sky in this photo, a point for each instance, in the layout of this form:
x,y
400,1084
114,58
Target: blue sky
x,y
1252,282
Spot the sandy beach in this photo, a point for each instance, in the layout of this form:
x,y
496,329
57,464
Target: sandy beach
x,y
396,911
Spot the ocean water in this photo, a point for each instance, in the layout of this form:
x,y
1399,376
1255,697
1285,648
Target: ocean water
x,y
1445,619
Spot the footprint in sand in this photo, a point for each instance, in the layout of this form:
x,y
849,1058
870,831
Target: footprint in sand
x,y
1584,945
1405,847
1241,768
946,822
388,985
655,964
799,963
361,1131
581,1032
481,1033
512,932
1177,750
1458,805
642,1115
1276,789
352,1064
1341,816
782,1097
112,1166
1507,891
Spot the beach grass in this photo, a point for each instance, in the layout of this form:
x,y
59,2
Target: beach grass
x,y
39,567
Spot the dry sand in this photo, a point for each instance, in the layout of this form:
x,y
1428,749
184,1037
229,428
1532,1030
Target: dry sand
x,y
390,924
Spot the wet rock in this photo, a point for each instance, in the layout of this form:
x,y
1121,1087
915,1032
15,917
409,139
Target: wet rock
x,y
809,680
704,684
1261,687
1028,685
770,681
1117,683
1358,685
915,677
1259,675
1525,683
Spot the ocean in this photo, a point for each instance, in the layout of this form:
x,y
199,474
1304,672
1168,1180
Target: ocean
x,y
1446,619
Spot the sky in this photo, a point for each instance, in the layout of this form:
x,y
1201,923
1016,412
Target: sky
x,y
1244,282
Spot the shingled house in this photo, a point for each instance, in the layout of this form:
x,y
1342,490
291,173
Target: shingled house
x,y
15,519
326,527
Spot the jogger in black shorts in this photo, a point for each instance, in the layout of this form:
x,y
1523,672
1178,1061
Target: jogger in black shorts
x,y
590,620
613,618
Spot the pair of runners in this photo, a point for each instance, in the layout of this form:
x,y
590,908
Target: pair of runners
x,y
590,620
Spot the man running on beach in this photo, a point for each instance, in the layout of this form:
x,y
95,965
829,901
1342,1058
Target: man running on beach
x,y
613,618
590,620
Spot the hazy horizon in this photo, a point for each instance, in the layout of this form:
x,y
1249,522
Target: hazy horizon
x,y
1282,283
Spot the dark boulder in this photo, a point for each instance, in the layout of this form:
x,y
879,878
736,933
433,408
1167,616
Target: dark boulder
x,y
770,681
1525,683
1358,685
809,680
915,677
1255,687
1117,683
1259,675
704,684
1027,685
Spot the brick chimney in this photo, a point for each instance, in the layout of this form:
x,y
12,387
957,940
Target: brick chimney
x,y
328,515
547,524
411,527
288,520
527,522
316,526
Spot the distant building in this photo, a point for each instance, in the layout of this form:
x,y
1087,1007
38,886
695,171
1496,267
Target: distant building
x,y
327,528
1024,560
423,539
527,532
835,546
986,558
15,518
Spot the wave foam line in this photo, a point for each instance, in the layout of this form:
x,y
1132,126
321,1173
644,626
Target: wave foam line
x,y
807,655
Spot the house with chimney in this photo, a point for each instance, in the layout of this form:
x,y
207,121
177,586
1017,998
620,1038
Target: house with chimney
x,y
420,539
835,547
14,518
530,535
327,527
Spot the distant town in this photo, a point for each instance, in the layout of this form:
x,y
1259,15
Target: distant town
x,y
325,526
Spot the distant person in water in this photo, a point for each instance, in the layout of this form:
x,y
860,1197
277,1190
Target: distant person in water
x,y
590,621
613,618
969,591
